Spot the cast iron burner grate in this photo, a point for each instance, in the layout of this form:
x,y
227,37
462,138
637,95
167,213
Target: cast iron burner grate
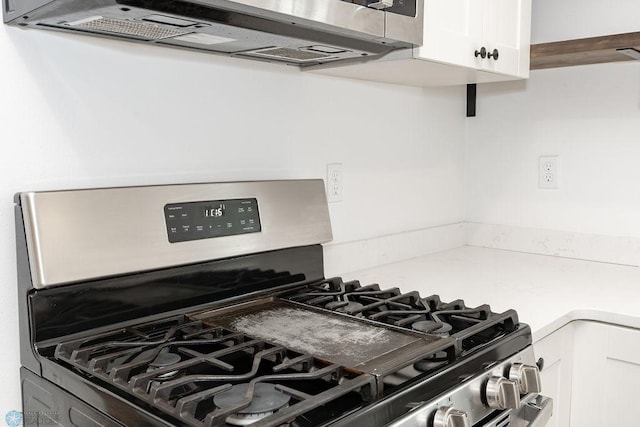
x,y
471,327
182,367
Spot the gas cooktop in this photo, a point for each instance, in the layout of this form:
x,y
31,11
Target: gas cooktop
x,y
206,305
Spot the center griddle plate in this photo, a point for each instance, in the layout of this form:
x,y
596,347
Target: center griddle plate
x,y
357,344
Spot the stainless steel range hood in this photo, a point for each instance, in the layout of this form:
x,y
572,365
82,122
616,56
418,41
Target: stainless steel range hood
x,y
300,32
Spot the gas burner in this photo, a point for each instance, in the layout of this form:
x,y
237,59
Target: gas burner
x,y
349,307
432,327
266,400
162,360
432,363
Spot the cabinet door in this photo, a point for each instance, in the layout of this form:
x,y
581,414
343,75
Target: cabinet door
x,y
452,29
557,351
506,29
622,379
606,376
587,397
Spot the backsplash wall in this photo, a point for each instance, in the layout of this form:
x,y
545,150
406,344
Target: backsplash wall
x,y
554,20
86,112
589,116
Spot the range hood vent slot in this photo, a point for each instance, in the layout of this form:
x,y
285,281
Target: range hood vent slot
x,y
289,54
143,30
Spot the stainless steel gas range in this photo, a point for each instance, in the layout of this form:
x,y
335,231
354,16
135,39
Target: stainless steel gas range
x,y
206,305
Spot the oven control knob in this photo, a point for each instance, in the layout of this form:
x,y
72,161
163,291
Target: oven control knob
x,y
502,393
527,377
446,416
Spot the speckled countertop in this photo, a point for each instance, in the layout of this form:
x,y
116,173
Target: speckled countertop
x,y
546,291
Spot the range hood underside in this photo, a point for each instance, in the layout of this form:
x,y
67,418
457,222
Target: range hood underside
x,y
185,24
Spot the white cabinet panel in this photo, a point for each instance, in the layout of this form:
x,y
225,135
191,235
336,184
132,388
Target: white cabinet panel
x,y
606,376
501,32
624,344
621,390
556,376
622,372
451,31
590,354
551,383
455,30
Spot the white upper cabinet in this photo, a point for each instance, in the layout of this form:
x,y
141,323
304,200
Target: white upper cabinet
x,y
504,33
465,41
486,35
450,30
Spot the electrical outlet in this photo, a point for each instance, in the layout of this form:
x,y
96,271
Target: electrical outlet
x,y
335,182
548,174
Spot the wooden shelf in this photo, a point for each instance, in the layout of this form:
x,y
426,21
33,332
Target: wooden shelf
x,y
592,50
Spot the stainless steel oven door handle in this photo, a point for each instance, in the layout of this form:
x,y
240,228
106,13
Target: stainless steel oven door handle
x,y
534,413
541,409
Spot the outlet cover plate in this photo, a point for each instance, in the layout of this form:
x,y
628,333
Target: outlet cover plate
x,y
548,172
335,182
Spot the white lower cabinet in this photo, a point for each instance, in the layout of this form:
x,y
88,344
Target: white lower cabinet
x,y
622,370
557,352
592,371
606,376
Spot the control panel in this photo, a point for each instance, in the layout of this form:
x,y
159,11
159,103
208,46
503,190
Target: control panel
x,y
489,396
205,220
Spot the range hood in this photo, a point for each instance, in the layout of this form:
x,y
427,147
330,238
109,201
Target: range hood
x,y
299,32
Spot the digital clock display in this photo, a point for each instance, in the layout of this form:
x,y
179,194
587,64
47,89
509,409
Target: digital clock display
x,y
205,220
214,212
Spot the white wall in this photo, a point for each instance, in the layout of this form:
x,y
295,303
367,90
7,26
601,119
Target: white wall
x,y
554,20
84,112
589,116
